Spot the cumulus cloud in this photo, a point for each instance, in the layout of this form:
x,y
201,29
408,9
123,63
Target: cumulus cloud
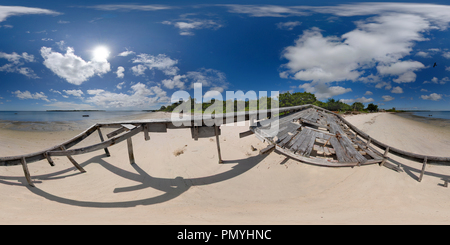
x,y
27,95
120,85
387,98
126,53
266,10
362,100
177,81
435,80
120,71
74,92
186,27
129,7
16,62
160,62
423,54
433,96
140,96
208,78
7,11
72,67
368,93
288,25
397,90
69,106
322,91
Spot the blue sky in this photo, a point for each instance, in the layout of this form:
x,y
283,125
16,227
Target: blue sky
x,y
118,56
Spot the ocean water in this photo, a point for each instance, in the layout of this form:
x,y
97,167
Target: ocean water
x,y
433,114
63,116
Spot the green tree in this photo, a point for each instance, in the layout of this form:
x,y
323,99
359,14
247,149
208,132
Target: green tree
x,y
372,107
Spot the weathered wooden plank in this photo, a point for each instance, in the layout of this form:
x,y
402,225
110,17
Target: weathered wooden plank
x,y
116,132
157,128
385,156
102,140
146,135
217,129
246,133
26,172
423,169
128,126
73,161
49,159
339,151
302,140
130,150
267,150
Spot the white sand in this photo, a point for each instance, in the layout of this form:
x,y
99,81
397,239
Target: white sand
x,y
192,188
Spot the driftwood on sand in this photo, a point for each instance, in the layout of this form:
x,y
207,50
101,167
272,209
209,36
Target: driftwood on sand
x,y
306,133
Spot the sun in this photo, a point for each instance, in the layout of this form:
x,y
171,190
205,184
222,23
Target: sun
x,y
101,53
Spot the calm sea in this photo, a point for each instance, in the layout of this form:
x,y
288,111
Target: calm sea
x,y
433,114
56,116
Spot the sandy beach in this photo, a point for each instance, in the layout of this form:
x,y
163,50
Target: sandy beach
x,y
177,180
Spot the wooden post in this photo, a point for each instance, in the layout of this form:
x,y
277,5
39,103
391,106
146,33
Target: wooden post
x,y
25,170
384,156
423,169
368,142
49,159
216,129
146,135
73,161
130,150
101,139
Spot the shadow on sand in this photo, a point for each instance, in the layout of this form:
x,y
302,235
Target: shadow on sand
x,y
172,188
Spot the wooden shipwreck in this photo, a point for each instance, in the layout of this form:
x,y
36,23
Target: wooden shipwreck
x,y
306,133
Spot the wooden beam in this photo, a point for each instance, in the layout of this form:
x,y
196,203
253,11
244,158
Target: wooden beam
x,y
116,132
102,140
267,150
216,129
26,172
385,156
130,150
146,135
73,161
245,134
423,169
49,159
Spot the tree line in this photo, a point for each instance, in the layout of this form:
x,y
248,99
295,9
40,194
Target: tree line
x,y
285,100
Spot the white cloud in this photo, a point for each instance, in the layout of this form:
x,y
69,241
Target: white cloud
x,y
387,98
126,53
160,62
63,22
73,68
435,80
208,78
120,85
128,7
322,91
397,90
265,10
368,93
120,71
378,41
288,25
186,27
424,90
177,81
140,97
433,96
7,11
362,100
16,61
74,92
446,55
423,54
70,106
27,95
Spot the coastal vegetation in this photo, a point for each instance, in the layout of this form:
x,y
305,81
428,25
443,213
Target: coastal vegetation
x,y
285,100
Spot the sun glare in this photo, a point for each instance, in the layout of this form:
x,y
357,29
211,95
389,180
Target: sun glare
x,y
101,53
